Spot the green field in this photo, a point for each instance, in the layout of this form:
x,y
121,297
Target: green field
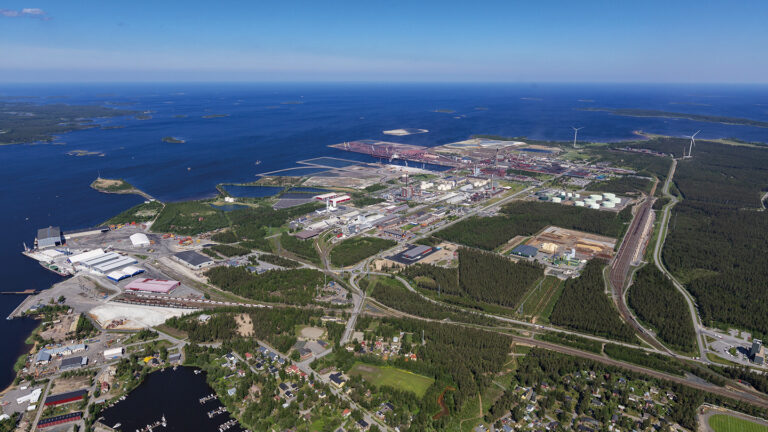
x,y
726,423
392,377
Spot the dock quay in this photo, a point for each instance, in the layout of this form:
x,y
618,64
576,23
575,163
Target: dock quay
x,y
210,397
25,292
217,411
227,425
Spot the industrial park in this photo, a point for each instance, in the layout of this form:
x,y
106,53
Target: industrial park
x,y
347,221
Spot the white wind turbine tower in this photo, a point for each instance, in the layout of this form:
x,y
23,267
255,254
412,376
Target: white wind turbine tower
x,y
692,144
575,134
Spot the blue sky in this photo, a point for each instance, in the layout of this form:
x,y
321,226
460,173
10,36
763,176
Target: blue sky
x,y
416,40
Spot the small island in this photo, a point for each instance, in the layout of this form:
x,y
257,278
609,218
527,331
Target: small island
x,y
173,140
117,186
211,116
85,153
404,131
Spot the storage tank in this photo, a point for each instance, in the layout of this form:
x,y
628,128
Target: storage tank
x,y
577,195
609,204
608,195
589,201
596,197
557,199
594,206
578,203
569,195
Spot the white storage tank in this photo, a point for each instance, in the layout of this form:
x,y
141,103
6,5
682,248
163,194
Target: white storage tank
x,y
569,195
594,206
578,203
609,204
589,201
608,195
596,197
577,195
557,199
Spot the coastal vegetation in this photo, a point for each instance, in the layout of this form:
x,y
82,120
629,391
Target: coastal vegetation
x,y
143,212
356,249
639,112
111,185
25,122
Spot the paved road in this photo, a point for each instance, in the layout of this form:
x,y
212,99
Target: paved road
x,y
663,230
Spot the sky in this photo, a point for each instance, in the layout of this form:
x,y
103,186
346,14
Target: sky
x,y
675,41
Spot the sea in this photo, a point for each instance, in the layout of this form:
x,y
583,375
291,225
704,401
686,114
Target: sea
x,y
263,127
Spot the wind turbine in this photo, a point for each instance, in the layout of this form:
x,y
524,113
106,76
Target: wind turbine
x,y
575,134
693,143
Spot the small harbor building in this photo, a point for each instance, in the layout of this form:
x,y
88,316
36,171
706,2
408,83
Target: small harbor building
x,y
49,237
139,240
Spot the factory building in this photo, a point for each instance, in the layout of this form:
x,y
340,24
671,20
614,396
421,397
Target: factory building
x,y
73,363
153,285
525,251
101,262
139,240
193,259
49,237
125,273
66,397
416,253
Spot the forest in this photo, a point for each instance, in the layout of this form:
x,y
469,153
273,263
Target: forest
x,y
527,218
301,248
229,250
276,260
492,278
622,185
391,293
356,249
462,357
657,302
481,276
584,306
717,244
296,286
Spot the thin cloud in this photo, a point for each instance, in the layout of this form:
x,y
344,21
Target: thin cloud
x,y
25,12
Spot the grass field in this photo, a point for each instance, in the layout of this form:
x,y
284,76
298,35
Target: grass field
x,y
540,296
726,423
392,377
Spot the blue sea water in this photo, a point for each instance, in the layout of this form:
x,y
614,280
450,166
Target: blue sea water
x,y
41,185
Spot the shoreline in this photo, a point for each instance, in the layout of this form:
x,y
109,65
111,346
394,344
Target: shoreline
x,y
128,191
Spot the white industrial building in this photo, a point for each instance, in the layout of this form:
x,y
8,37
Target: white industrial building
x,y
139,240
101,262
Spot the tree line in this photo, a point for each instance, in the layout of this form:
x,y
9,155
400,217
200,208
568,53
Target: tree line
x,y
584,306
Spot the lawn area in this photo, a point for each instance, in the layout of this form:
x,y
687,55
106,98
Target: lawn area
x,y
392,377
726,423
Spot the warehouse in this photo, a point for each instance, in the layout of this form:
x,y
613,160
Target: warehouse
x,y
194,260
139,240
525,251
417,252
49,237
66,397
125,273
73,363
106,262
113,353
153,285
59,419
